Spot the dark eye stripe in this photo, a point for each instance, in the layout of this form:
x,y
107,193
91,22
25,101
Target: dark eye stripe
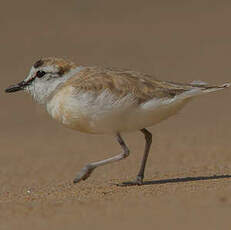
x,y
40,74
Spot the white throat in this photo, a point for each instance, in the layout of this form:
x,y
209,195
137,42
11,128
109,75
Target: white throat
x,y
41,90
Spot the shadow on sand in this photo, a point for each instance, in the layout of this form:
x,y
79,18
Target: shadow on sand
x,y
177,180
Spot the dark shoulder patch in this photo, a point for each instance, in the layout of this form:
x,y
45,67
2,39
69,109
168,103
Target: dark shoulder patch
x,y
38,63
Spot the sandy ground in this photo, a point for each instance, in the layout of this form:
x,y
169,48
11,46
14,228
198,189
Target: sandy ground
x,y
188,173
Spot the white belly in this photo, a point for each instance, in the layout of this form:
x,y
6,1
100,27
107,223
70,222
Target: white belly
x,y
106,113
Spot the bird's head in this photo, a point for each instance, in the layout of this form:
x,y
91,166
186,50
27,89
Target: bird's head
x,y
44,76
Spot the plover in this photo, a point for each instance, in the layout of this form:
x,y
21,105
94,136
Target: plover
x,y
99,100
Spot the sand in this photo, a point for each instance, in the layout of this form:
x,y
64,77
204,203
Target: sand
x,y
188,172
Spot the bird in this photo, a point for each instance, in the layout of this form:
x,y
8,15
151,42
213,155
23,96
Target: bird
x,y
109,101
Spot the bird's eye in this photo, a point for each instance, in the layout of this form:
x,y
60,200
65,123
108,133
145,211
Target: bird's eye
x,y
40,74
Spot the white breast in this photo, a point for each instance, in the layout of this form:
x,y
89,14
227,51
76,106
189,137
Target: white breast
x,y
106,113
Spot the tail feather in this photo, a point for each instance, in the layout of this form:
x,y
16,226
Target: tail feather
x,y
200,89
208,89
198,83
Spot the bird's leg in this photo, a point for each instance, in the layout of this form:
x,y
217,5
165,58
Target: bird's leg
x,y
88,169
140,176
148,139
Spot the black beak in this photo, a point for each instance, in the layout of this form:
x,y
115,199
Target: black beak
x,y
14,88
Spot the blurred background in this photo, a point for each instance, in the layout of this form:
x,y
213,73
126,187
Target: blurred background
x,y
176,40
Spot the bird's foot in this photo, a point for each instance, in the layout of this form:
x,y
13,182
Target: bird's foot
x,y
84,173
137,181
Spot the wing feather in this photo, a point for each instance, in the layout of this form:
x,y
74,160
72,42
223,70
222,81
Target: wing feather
x,y
123,82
